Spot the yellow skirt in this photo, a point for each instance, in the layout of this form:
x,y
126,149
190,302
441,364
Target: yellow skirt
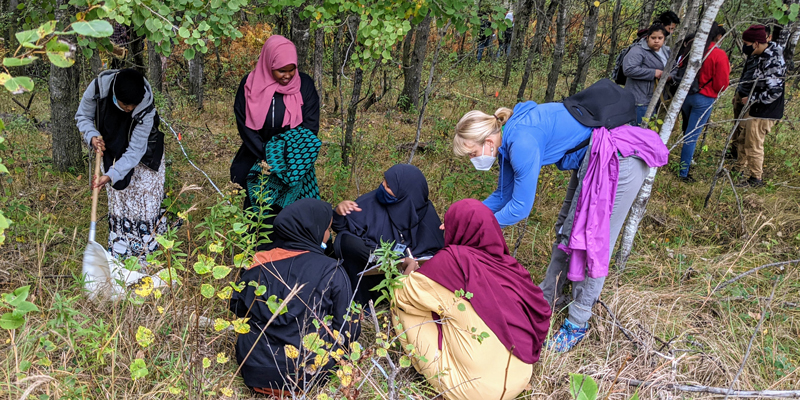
x,y
466,368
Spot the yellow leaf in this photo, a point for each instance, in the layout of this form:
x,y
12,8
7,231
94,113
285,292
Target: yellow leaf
x,y
144,336
291,351
227,392
206,362
160,309
597,4
42,197
222,358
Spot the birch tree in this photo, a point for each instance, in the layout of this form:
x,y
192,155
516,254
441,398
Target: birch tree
x,y
640,204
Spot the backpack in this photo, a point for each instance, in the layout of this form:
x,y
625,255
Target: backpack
x,y
617,74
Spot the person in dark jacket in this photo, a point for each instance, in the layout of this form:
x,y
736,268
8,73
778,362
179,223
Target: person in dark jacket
x,y
275,359
743,90
643,64
484,40
272,99
712,79
766,102
118,120
397,211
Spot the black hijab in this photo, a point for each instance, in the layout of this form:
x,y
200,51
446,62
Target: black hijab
x,y
302,225
411,220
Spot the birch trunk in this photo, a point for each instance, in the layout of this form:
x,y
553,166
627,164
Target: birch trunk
x,y
586,49
640,204
558,52
319,55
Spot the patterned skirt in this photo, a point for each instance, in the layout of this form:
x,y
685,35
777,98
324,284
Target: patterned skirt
x,y
135,216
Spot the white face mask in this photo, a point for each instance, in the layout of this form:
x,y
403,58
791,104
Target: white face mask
x,y
484,162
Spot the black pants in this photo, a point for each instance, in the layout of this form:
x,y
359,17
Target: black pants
x,y
355,255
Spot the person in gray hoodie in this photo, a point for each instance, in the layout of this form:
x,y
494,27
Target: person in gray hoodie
x,y
645,63
118,120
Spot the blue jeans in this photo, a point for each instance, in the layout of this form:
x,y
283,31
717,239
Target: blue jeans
x,y
698,108
640,111
486,44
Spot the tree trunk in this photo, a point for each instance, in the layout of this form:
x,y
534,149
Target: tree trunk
x,y
543,27
413,72
789,51
358,77
136,49
95,63
558,52
300,38
337,55
676,6
319,55
65,96
154,71
428,90
647,13
612,52
640,204
586,49
196,79
517,36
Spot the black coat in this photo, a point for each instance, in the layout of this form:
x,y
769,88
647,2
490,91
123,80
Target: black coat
x,y
252,149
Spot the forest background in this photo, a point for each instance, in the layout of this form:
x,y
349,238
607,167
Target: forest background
x,y
706,302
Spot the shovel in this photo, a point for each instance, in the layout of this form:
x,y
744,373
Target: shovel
x,y
105,277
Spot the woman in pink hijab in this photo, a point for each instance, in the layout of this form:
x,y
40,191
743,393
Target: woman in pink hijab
x,y
272,99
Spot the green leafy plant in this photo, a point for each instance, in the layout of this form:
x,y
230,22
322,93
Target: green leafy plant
x,y
17,302
584,387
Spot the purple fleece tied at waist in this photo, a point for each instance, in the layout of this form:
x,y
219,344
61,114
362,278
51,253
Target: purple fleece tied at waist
x,y
589,241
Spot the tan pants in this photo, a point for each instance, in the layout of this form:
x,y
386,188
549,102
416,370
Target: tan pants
x,y
750,148
464,369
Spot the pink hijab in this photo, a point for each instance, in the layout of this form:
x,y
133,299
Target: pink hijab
x,y
277,53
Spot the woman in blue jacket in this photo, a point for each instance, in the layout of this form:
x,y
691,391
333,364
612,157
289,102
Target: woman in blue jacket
x,y
522,141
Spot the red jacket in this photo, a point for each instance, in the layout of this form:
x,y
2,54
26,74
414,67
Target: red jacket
x,y
715,74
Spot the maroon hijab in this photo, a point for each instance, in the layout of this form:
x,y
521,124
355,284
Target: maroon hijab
x,y
476,258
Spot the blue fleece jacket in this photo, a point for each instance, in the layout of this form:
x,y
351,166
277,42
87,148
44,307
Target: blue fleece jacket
x,y
536,135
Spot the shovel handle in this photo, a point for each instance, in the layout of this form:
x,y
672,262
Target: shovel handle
x,y
95,191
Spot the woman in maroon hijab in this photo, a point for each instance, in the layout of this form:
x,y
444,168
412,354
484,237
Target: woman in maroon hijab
x,y
483,342
272,99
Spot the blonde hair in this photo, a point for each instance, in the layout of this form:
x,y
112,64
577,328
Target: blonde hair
x,y
475,126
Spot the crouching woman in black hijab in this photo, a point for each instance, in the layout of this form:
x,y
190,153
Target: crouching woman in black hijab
x,y
398,210
276,362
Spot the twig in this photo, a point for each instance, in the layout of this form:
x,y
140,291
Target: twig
x,y
741,116
776,394
753,337
738,200
756,269
622,329
505,379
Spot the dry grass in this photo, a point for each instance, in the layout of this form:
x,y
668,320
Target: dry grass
x,y
677,329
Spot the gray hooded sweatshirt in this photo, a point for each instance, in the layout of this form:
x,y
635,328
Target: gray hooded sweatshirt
x,y
138,139
640,65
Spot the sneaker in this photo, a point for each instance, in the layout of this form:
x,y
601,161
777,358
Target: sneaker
x,y
687,179
567,337
752,182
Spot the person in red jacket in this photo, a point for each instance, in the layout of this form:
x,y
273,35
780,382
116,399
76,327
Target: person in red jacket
x,y
713,78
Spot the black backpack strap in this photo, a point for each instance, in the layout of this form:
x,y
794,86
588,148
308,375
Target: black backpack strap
x,y
580,146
